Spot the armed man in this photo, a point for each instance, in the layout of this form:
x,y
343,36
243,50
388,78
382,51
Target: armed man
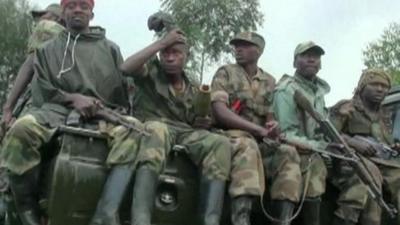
x,y
49,24
75,72
164,93
241,101
306,172
366,128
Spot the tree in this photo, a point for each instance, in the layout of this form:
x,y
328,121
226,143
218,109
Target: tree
x,y
15,23
385,52
210,24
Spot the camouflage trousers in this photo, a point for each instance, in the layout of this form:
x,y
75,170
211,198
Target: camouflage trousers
x,y
210,152
247,172
288,172
22,147
355,203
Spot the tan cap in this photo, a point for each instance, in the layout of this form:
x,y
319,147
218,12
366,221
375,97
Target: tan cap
x,y
53,8
305,46
250,37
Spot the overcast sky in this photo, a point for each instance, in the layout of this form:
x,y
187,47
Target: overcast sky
x,y
342,27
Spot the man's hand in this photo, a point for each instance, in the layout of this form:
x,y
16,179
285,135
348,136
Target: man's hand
x,y
396,147
172,37
86,106
273,129
362,147
202,123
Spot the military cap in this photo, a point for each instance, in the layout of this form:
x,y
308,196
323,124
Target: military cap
x,y
53,8
250,37
305,46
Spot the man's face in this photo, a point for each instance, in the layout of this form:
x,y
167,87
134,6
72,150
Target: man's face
x,y
173,58
77,14
246,53
308,63
375,92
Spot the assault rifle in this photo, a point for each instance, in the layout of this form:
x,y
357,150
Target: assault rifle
x,y
358,165
382,150
110,116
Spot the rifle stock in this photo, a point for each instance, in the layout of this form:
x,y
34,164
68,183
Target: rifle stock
x,y
358,165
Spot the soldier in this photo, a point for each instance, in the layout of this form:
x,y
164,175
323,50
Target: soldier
x,y
164,93
363,116
305,167
241,100
49,25
75,71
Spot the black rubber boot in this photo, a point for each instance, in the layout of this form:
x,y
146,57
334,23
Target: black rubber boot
x,y
212,198
24,188
113,193
144,193
339,221
283,211
311,211
241,210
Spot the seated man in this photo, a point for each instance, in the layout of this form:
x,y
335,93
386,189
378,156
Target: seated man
x,y
78,70
164,93
363,116
49,25
307,168
241,102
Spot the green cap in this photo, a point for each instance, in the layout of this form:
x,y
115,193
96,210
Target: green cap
x,y
305,46
53,8
250,37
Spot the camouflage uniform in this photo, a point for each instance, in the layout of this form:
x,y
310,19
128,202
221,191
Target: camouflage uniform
x,y
156,100
231,84
351,117
298,126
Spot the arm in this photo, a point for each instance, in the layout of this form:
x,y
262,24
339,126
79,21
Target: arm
x,y
223,115
134,64
231,120
24,77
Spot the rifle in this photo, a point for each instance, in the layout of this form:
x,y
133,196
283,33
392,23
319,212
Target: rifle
x,y
382,150
358,165
116,118
108,115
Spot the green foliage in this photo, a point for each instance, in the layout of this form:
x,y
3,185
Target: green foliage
x,y
15,23
385,52
210,24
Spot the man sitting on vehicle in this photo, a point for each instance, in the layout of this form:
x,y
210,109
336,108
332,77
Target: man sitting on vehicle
x,y
360,118
78,71
164,93
49,25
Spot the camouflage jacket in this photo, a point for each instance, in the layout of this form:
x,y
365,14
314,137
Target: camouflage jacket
x,y
154,98
350,117
251,98
44,31
294,122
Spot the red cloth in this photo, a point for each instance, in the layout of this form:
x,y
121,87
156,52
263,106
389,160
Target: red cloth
x,y
64,2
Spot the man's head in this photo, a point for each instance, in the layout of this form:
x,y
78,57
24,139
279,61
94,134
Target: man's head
x,y
307,59
174,57
373,85
248,47
52,12
77,13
